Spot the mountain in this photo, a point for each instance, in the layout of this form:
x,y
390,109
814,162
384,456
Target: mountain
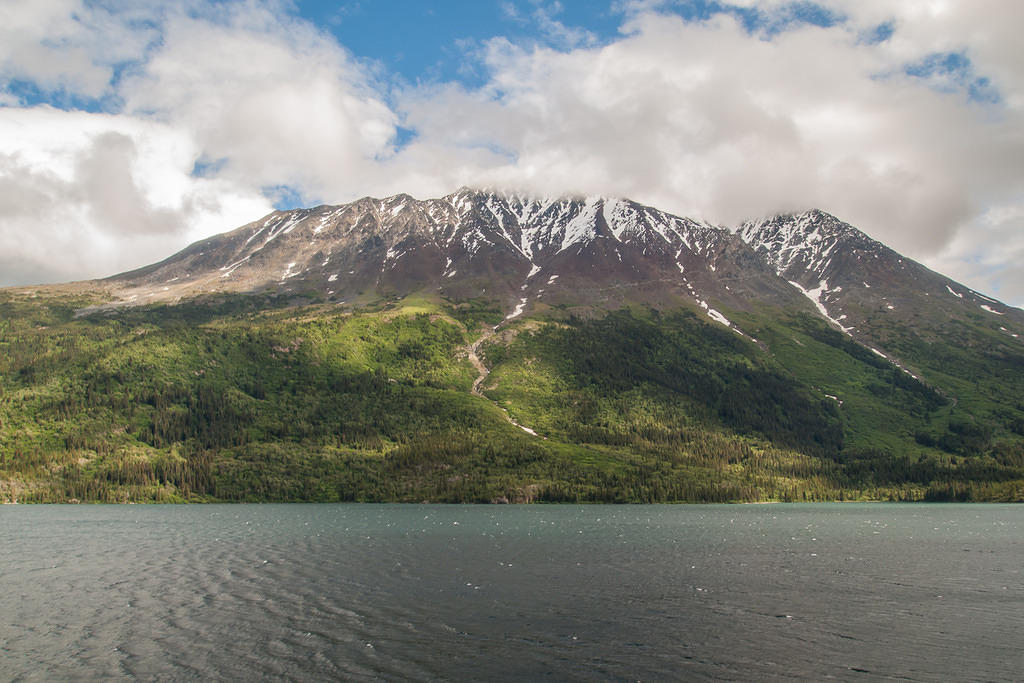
x,y
490,346
929,325
854,280
518,250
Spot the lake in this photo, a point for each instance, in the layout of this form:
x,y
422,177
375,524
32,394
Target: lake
x,y
854,592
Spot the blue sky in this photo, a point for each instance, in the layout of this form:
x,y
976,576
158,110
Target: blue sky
x,y
414,43
418,41
128,130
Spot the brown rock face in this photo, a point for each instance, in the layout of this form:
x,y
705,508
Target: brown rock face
x,y
514,249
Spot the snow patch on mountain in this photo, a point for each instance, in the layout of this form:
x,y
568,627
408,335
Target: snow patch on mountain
x,y
518,310
803,246
714,315
803,240
816,295
583,226
288,272
986,298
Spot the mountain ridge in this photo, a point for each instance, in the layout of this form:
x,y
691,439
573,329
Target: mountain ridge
x,y
584,254
527,243
489,346
526,251
533,227
808,248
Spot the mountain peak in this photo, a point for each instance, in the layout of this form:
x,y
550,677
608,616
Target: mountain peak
x,y
806,241
520,249
523,251
854,280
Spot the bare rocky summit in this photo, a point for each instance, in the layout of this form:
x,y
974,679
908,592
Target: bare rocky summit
x,y
530,254
519,250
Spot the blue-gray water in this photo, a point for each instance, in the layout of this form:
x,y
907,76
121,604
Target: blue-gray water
x,y
328,592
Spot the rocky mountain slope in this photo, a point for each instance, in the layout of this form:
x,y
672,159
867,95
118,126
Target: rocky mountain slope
x,y
850,277
487,346
531,254
894,305
521,251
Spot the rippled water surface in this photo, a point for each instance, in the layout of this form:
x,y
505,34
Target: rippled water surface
x,y
327,592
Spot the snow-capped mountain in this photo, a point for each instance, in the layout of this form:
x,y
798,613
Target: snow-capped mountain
x,y
522,251
795,349
531,254
861,284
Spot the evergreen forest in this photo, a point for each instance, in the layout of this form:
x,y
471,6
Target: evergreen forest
x,y
255,399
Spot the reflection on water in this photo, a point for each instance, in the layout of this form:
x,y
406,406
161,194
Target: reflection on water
x,y
326,592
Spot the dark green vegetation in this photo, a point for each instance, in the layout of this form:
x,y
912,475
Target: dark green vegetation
x,y
230,401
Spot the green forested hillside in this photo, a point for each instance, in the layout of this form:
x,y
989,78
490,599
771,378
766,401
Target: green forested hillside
x,y
245,398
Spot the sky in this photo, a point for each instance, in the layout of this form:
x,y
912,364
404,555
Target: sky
x,y
129,130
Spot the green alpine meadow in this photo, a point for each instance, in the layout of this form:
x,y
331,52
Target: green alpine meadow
x,y
403,366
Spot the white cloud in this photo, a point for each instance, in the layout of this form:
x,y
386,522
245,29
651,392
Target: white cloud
x,y
68,45
278,101
705,119
87,195
989,257
264,100
700,118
